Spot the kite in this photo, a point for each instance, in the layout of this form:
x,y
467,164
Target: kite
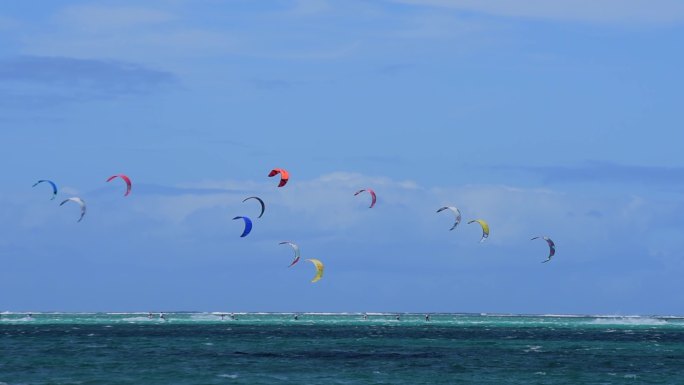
x,y
296,251
284,175
80,202
54,186
126,179
485,228
456,211
552,247
319,269
261,202
372,194
248,226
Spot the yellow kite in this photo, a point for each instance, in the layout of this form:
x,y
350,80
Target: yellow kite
x,y
485,228
319,269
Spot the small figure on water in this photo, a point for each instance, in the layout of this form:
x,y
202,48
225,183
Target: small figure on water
x,y
427,317
296,317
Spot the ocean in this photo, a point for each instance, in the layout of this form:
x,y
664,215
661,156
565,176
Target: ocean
x,y
269,348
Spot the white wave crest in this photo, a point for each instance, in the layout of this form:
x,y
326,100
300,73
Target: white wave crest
x,y
233,376
631,321
140,319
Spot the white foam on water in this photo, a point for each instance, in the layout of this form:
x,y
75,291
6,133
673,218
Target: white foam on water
x,y
673,317
23,319
206,317
128,313
533,348
140,319
319,313
233,376
631,321
67,314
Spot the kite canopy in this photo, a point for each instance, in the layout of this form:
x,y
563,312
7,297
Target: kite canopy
x,y
80,202
485,228
248,226
372,194
261,202
54,186
456,212
552,247
295,247
284,175
126,179
319,269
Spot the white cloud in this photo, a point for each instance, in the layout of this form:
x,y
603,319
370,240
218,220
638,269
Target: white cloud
x,y
326,207
325,211
402,242
101,18
434,24
599,11
7,23
310,7
129,33
150,46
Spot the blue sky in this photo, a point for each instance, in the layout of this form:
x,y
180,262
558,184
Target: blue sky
x,y
560,119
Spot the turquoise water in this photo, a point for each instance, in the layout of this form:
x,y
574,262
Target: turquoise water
x,y
200,348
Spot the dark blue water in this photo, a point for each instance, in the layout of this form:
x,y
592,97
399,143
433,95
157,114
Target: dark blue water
x,y
339,349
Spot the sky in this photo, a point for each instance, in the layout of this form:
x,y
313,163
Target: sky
x,y
560,118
